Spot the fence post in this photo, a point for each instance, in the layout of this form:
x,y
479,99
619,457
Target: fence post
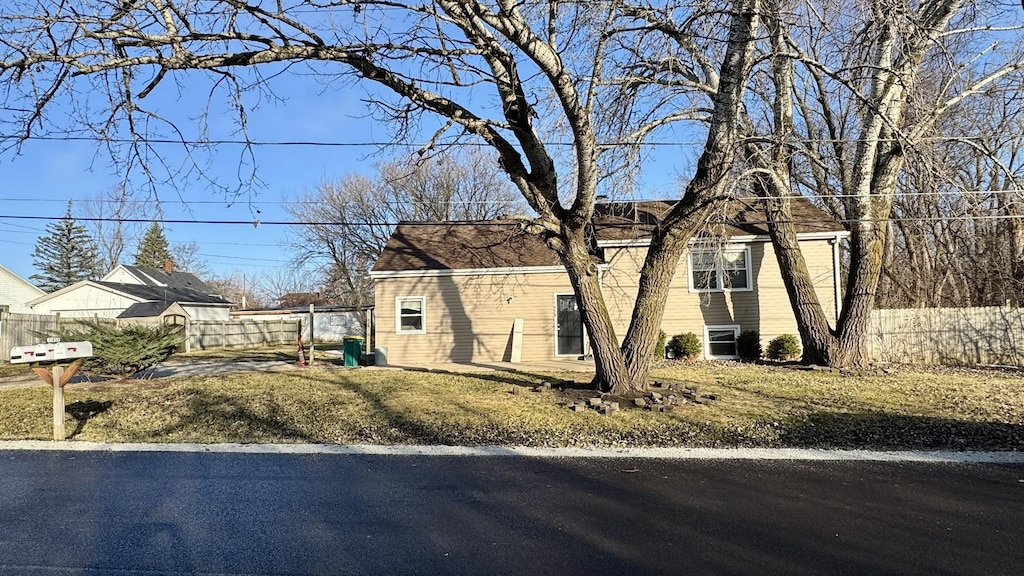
x,y
4,329
312,322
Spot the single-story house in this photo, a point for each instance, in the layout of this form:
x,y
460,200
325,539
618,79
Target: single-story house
x,y
139,294
16,292
487,291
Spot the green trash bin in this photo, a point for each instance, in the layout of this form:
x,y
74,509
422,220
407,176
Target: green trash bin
x,y
353,350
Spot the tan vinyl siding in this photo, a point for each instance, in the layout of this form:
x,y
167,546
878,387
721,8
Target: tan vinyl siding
x,y
766,308
469,318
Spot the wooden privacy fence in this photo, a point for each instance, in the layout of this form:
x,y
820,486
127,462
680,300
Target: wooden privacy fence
x,y
241,333
22,330
953,336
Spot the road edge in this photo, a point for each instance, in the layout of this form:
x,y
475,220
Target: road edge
x,y
967,457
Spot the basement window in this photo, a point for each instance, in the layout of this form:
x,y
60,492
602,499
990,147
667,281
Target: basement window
x,y
720,342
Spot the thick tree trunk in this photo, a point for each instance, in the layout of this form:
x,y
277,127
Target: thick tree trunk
x,y
812,323
660,265
773,184
867,244
705,191
1015,230
611,373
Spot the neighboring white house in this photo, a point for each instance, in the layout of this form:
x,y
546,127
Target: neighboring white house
x,y
134,292
16,292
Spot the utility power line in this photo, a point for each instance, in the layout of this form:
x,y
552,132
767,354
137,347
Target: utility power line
x,y
477,144
518,202
258,223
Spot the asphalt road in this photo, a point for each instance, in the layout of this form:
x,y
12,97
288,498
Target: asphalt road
x,y
97,513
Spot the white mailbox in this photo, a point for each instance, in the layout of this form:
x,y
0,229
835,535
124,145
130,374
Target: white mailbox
x,y
51,352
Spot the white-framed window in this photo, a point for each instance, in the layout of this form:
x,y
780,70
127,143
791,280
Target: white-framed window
x,y
410,315
720,342
720,270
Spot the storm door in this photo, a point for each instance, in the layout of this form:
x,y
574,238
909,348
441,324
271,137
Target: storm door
x,y
568,326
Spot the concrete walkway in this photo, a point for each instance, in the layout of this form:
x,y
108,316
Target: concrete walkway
x,y
542,366
213,366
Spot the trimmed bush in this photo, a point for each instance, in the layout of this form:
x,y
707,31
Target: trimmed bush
x,y
685,346
123,351
748,346
784,347
659,350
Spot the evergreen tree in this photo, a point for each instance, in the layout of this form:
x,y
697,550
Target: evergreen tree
x,y
153,248
65,255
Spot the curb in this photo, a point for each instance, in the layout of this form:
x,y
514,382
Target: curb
x,y
531,452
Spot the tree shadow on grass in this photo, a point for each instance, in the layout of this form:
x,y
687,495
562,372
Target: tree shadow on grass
x,y
887,431
392,424
224,416
84,410
521,378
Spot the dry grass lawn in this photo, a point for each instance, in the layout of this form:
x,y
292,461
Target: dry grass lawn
x,y
755,406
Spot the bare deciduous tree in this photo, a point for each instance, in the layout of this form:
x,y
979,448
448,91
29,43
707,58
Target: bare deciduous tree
x,y
187,257
844,94
346,222
853,96
958,233
113,218
241,290
504,72
269,287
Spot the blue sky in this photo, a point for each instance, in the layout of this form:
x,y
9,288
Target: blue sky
x,y
47,173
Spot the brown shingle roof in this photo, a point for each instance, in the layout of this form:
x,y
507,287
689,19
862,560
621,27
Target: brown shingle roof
x,y
503,244
742,217
462,245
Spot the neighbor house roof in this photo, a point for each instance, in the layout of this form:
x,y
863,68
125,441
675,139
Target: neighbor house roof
x,y
164,293
504,244
142,292
145,310
299,299
174,279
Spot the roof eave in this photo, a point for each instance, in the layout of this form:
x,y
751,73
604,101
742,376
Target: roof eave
x,y
805,236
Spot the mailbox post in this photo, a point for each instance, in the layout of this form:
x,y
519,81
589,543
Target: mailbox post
x,y
52,353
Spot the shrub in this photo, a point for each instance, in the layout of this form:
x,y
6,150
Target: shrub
x,y
659,350
748,345
784,347
123,351
685,346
